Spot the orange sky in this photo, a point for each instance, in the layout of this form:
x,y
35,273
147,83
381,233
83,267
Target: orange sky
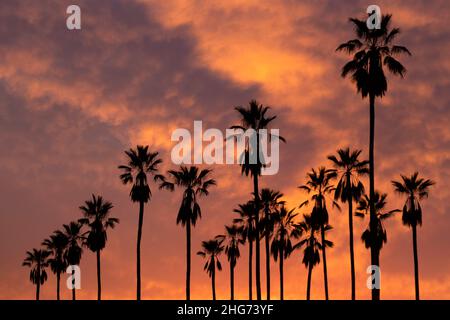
x,y
72,101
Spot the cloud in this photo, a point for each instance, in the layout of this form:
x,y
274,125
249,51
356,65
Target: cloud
x,y
71,102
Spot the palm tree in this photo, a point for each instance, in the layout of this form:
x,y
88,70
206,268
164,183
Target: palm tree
x,y
37,261
141,163
372,48
270,203
246,212
254,117
319,185
194,183
96,217
234,238
285,230
212,249
56,244
349,189
311,254
72,254
377,239
415,189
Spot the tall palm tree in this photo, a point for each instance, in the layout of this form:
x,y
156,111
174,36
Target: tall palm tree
x,y
379,237
254,117
285,230
312,245
233,236
96,216
415,189
194,183
56,244
75,239
141,162
319,185
246,219
37,261
211,250
372,50
270,203
348,189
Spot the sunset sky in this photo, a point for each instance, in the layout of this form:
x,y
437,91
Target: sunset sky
x,y
72,101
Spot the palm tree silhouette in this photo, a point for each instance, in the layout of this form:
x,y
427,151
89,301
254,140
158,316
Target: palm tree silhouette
x,y
349,189
270,202
233,236
211,250
377,239
311,253
319,184
141,163
415,189
254,117
246,212
372,48
72,254
56,244
285,230
194,183
96,217
37,261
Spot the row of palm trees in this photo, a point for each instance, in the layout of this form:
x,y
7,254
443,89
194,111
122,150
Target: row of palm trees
x,y
278,225
372,50
64,248
265,217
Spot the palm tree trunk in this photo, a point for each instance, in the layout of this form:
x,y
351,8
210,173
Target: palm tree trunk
x,y
38,285
416,261
99,279
324,258
267,260
310,267
138,251
374,254
308,286
352,252
58,285
257,247
231,280
250,270
213,280
188,260
281,275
